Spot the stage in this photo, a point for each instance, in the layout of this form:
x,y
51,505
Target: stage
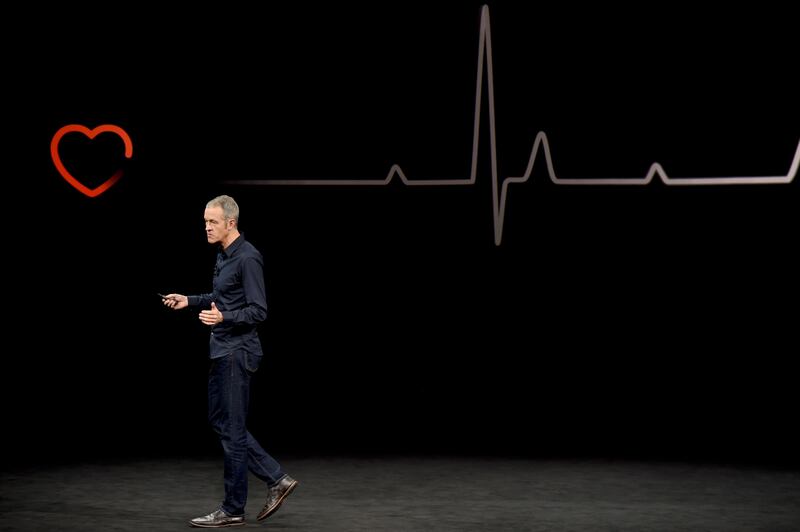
x,y
339,493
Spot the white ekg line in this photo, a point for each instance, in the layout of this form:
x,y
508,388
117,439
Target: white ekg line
x,y
540,143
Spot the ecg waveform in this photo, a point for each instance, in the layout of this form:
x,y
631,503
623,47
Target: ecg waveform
x,y
540,145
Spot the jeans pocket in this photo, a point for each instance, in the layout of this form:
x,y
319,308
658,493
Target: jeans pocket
x,y
252,362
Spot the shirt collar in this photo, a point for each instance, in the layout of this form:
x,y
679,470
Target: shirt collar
x,y
236,244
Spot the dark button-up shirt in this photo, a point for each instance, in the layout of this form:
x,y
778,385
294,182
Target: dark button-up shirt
x,y
240,295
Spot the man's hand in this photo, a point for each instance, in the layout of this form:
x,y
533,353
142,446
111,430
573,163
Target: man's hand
x,y
175,301
211,317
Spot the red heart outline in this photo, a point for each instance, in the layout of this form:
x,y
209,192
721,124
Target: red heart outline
x,y
91,133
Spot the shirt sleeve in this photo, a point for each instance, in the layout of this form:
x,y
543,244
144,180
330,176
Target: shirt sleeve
x,y
254,310
200,300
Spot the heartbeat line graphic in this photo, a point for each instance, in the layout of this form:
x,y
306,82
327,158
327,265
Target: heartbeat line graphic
x,y
540,145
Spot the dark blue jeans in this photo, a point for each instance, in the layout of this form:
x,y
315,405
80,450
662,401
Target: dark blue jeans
x,y
228,397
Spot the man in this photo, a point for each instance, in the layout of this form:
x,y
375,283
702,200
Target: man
x,y
233,310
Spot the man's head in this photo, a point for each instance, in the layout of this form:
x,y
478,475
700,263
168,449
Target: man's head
x,y
222,220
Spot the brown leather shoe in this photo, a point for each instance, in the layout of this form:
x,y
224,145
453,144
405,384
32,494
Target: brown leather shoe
x,y
275,496
217,519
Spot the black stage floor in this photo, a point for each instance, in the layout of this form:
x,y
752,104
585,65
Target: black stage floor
x,y
411,493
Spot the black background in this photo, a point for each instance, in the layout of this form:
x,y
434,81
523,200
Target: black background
x,y
653,321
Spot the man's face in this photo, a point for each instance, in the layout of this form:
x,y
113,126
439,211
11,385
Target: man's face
x,y
217,227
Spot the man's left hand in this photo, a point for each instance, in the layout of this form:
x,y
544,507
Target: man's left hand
x,y
211,317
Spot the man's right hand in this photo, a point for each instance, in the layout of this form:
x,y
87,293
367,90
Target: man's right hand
x,y
175,301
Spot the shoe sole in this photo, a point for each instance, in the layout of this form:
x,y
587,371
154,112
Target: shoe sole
x,y
195,525
286,493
